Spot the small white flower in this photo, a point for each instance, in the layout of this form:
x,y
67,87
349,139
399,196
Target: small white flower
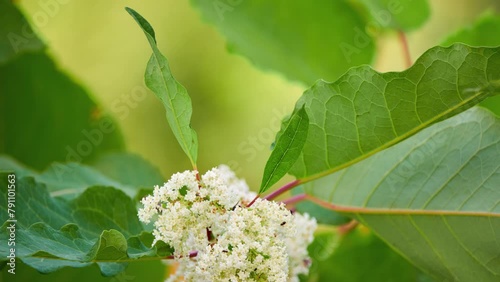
x,y
299,260
264,242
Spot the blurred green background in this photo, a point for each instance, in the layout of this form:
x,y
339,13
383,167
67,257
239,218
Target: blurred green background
x,y
236,105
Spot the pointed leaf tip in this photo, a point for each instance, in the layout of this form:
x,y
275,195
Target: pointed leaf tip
x,y
289,143
143,23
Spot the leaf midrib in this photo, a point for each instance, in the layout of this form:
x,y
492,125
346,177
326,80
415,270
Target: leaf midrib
x,y
398,211
172,105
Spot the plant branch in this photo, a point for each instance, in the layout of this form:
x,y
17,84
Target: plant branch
x,y
348,227
253,201
283,189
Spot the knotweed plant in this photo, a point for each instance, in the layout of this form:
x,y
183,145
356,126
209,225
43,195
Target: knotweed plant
x,y
400,169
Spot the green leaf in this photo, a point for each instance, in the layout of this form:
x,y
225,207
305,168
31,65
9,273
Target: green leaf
x,y
433,197
289,144
127,172
71,179
365,112
129,169
403,15
149,271
95,227
173,95
16,35
63,120
112,245
8,164
63,123
358,256
484,32
140,270
304,42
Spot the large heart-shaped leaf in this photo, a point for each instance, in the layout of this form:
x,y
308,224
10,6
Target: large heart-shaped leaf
x,y
484,32
433,197
365,111
99,226
303,41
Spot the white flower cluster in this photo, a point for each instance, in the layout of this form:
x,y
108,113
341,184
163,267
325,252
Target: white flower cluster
x,y
216,237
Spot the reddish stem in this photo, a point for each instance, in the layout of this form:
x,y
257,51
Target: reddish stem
x,y
198,178
282,189
253,201
294,199
406,48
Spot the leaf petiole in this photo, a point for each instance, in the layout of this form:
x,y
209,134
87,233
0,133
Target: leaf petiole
x,y
283,189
